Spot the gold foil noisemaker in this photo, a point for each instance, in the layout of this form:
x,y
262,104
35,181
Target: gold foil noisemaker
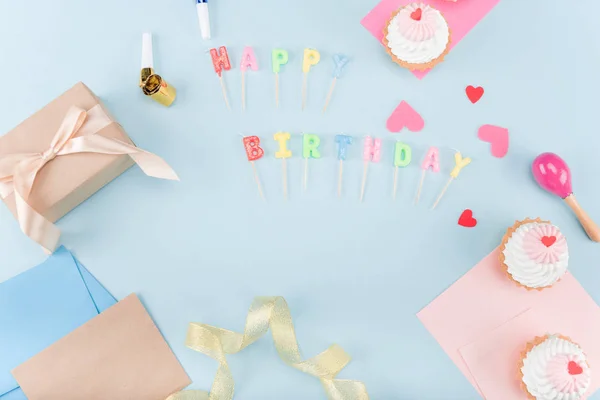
x,y
152,84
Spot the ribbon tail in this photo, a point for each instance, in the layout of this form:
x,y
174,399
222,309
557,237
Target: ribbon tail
x,y
34,225
150,163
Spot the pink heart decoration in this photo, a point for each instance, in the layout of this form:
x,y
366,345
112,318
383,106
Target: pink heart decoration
x,y
404,116
497,137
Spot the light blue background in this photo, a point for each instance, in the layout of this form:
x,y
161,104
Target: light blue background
x,y
355,274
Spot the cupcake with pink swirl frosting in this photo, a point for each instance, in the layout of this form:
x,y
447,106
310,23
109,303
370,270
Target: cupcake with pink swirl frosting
x,y
554,368
534,254
417,36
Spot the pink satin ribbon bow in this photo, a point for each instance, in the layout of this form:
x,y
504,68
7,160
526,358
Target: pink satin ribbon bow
x,y
18,171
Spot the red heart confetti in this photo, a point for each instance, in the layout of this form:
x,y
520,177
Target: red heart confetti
x,y
574,368
466,219
474,93
548,240
416,15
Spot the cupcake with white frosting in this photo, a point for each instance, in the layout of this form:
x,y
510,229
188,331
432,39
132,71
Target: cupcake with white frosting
x,y
417,36
534,253
554,368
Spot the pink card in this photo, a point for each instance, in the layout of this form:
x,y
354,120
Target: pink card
x,y
493,359
485,298
461,16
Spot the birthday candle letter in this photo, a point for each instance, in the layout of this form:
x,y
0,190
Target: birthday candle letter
x,y
253,150
340,62
279,57
282,138
402,155
372,150
310,148
371,153
249,59
311,57
220,60
283,153
460,163
343,141
432,160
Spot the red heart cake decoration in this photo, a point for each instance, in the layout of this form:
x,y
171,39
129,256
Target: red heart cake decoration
x,y
416,15
474,93
574,368
548,240
466,219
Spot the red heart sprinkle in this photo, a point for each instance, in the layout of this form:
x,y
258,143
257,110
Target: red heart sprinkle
x,y
574,368
474,93
416,15
548,240
466,219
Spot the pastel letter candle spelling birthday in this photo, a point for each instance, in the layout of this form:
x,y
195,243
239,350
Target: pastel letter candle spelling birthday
x,y
220,60
372,150
402,155
310,148
253,149
279,57
371,153
432,160
460,163
340,62
343,141
311,57
249,59
282,138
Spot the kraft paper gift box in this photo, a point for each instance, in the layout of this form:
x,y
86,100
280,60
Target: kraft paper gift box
x,y
62,155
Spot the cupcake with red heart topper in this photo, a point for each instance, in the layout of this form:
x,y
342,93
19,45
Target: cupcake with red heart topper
x,y
534,254
553,367
417,36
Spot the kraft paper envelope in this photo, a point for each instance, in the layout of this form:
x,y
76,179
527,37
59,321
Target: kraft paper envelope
x,y
461,16
493,359
118,355
485,298
40,306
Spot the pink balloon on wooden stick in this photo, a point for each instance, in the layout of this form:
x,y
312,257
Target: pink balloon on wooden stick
x,y
553,174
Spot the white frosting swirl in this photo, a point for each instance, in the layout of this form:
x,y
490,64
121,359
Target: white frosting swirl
x,y
418,41
549,370
531,262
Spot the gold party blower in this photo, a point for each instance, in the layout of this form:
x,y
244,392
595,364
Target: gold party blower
x,y
153,85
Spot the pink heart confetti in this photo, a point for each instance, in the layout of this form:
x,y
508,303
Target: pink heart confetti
x,y
497,137
404,116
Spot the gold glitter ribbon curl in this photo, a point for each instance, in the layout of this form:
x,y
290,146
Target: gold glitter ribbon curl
x,y
268,312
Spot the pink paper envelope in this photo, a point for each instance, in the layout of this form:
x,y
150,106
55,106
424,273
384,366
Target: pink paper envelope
x,y
461,16
485,298
493,359
118,355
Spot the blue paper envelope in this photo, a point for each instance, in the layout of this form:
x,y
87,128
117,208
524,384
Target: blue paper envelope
x,y
42,305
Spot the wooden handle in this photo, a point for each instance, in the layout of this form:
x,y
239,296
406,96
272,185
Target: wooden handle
x,y
589,226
